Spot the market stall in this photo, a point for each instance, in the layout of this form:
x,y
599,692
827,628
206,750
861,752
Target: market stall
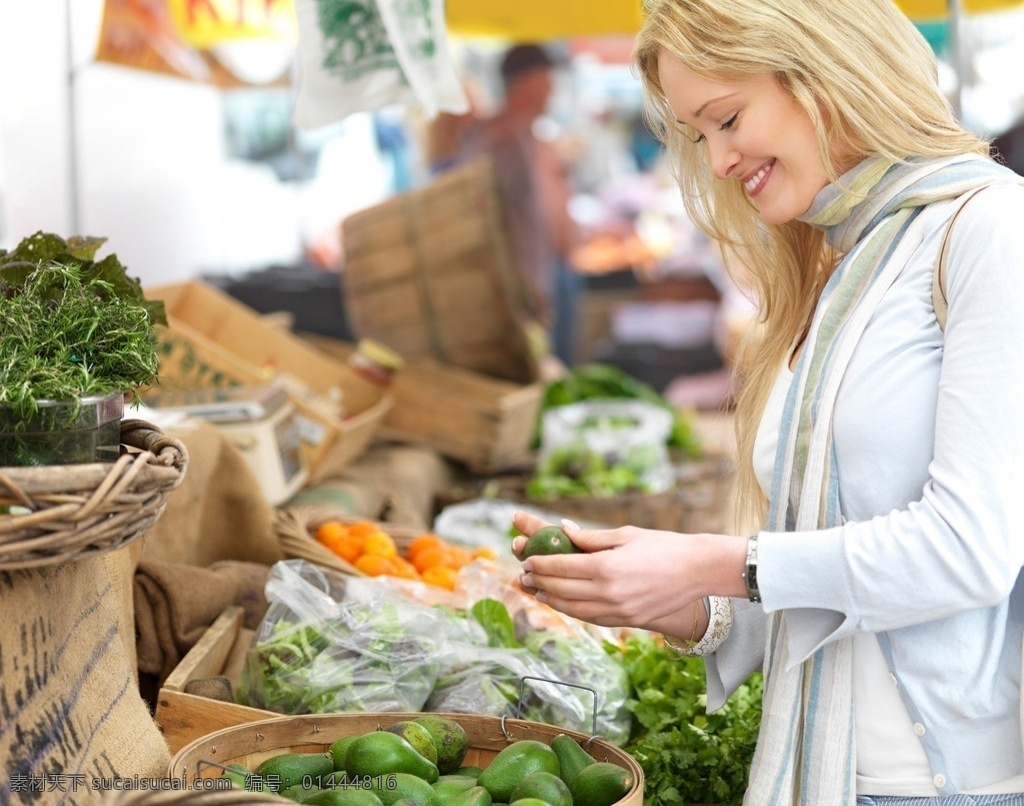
x,y
339,544
304,539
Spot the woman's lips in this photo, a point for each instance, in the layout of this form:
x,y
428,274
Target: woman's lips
x,y
755,184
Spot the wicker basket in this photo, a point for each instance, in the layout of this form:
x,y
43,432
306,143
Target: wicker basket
x,y
192,797
68,512
251,743
295,526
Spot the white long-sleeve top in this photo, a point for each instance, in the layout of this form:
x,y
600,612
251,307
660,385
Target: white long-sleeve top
x,y
929,441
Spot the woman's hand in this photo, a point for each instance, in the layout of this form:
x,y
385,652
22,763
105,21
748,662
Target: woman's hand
x,y
641,578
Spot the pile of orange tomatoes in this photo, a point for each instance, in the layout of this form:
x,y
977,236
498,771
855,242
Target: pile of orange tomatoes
x,y
373,551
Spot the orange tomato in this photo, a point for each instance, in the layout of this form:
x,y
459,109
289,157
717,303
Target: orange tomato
x,y
374,565
381,544
430,558
422,542
348,548
363,528
459,557
442,576
405,569
330,532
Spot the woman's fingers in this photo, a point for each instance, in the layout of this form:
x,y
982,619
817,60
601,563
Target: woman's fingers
x,y
527,523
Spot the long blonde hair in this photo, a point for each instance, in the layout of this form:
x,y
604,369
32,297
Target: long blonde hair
x,y
868,81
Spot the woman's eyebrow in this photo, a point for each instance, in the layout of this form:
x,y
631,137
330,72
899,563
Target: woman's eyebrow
x,y
711,101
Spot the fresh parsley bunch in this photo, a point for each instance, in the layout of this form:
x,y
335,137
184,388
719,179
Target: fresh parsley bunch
x,y
688,755
72,326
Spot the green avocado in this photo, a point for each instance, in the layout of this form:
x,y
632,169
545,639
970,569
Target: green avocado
x,y
548,540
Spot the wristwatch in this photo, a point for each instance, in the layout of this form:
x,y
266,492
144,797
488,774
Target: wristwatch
x,y
750,572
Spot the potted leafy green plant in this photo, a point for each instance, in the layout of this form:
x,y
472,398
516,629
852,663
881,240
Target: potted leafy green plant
x,y
78,338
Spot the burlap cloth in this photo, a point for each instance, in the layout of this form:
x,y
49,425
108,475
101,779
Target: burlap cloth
x,y
392,483
72,713
218,512
175,603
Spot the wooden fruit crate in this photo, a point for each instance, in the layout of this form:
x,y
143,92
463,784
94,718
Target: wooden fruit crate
x,y
214,341
697,502
431,273
314,733
483,421
222,650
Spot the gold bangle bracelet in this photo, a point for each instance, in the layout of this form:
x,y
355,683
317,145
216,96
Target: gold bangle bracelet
x,y
682,645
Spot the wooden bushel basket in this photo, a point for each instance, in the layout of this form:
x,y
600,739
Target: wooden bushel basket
x,y
295,528
254,742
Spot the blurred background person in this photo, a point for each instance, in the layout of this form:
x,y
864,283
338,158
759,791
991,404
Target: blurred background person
x,y
535,186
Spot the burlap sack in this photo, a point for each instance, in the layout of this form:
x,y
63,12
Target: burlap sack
x,y
218,512
73,717
176,603
391,483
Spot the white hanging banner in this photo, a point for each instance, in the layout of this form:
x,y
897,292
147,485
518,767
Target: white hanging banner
x,y
365,55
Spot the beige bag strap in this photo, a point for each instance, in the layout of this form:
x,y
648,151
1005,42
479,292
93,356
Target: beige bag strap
x,y
939,300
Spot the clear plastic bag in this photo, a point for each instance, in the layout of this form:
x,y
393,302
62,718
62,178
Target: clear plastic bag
x,y
332,643
603,447
549,667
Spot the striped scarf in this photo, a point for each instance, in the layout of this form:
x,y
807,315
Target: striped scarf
x,y
876,217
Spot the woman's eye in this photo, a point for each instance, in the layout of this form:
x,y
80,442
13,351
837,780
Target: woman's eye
x,y
729,123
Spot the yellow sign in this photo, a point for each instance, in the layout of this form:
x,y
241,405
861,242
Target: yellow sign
x,y
535,20
527,20
938,9
207,23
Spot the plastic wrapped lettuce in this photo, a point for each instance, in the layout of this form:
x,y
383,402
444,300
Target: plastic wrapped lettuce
x,y
555,673
602,448
332,643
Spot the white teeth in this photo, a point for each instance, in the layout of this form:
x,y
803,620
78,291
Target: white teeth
x,y
755,180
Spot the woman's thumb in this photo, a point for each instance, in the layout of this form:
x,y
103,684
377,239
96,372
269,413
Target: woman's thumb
x,y
587,539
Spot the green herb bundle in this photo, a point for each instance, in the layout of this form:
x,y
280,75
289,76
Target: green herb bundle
x,y
688,756
72,326
607,382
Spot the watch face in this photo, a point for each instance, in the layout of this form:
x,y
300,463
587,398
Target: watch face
x,y
750,574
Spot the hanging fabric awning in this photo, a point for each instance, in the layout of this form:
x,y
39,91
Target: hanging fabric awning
x,y
537,20
178,37
543,19
939,9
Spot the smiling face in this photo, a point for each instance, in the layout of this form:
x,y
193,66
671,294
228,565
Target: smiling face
x,y
755,133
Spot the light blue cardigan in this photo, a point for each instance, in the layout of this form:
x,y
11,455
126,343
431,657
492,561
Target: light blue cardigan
x,y
929,439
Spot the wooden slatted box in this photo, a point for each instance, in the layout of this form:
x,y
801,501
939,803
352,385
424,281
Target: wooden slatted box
x,y
431,273
214,341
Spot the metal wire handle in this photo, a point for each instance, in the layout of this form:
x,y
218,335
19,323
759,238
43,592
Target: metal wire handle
x,y
522,688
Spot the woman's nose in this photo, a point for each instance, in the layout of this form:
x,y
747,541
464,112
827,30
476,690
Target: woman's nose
x,y
724,158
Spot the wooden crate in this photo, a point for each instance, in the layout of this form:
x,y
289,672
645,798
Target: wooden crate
x,y
184,717
483,421
212,340
314,733
431,273
697,502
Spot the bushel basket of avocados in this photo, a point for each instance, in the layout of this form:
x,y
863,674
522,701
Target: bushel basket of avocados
x,y
348,755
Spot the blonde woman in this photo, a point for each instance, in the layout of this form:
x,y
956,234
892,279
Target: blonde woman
x,y
884,454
